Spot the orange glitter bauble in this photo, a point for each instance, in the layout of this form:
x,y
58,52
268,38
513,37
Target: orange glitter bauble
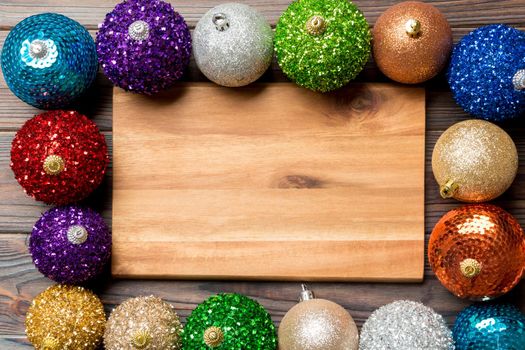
x,y
412,42
477,251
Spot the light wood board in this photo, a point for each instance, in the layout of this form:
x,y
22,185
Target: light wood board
x,y
270,181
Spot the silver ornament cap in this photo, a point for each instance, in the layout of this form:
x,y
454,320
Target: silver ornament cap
x,y
38,49
519,80
138,30
77,234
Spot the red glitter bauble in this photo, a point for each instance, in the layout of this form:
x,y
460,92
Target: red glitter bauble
x,y
59,157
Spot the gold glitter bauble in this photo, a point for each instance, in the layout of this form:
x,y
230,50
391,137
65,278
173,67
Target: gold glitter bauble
x,y
412,42
318,324
65,318
143,323
474,161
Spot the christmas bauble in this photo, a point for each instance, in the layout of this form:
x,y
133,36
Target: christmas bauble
x,y
474,161
322,44
405,325
144,46
65,317
412,42
233,44
489,327
59,157
229,321
477,251
49,60
143,323
317,324
487,72
70,244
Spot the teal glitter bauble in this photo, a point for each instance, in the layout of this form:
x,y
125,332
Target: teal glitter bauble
x,y
322,44
229,322
489,327
49,60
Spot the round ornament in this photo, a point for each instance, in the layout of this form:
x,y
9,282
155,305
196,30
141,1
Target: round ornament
x,y
70,244
317,324
233,45
412,42
49,60
489,327
59,157
474,161
487,72
322,45
144,46
477,251
65,317
143,323
407,325
229,321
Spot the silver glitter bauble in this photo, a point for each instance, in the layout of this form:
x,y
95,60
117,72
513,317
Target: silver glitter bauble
x,y
317,324
233,45
406,325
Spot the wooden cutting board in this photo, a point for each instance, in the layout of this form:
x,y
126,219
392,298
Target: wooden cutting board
x,y
270,181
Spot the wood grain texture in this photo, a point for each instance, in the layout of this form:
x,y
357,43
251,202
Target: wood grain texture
x,y
20,282
269,182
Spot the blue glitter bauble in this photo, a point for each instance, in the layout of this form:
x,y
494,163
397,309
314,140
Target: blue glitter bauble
x,y
487,72
49,60
490,327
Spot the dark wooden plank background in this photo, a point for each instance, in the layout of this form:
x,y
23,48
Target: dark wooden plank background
x,y
20,281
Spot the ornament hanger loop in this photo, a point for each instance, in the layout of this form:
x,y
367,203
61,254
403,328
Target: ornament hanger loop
x,y
221,22
316,25
413,27
213,337
77,234
53,164
470,268
141,339
138,30
447,190
519,80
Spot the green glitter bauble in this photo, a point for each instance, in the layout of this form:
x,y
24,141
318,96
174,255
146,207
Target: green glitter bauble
x,y
229,322
322,44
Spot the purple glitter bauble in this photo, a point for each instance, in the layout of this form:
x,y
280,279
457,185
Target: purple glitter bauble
x,y
144,46
70,244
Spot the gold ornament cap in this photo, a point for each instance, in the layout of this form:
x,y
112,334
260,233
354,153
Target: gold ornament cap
x,y
213,337
413,27
470,268
50,343
141,339
447,190
53,164
316,25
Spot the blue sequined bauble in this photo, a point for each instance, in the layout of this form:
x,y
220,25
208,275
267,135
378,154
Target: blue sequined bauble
x,y
490,327
487,72
49,60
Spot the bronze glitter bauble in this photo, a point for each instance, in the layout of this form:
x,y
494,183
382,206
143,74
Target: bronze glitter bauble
x,y
65,318
412,42
474,161
477,251
143,323
317,324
